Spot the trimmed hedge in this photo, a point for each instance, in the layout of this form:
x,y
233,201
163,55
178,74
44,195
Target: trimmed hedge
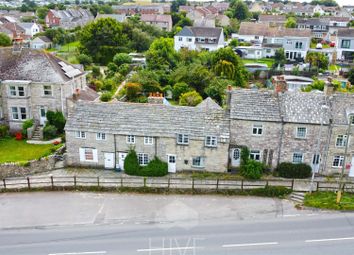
x,y
155,168
49,132
290,170
270,191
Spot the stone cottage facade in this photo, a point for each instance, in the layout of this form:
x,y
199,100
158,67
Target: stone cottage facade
x,y
33,82
188,138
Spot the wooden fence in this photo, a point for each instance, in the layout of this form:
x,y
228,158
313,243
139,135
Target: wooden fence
x,y
53,182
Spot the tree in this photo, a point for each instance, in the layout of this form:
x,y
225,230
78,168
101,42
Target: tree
x,y
161,54
149,80
239,10
351,76
179,89
191,98
290,22
233,43
132,90
5,40
279,57
317,59
42,12
324,2
176,4
102,39
216,89
122,58
84,59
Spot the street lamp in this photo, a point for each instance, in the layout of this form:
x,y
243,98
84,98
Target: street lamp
x,y
340,186
318,148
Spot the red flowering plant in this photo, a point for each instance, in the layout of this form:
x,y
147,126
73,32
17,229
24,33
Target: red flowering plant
x,y
18,136
56,142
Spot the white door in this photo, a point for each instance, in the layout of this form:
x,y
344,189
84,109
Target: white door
x,y
351,171
121,158
235,155
42,116
171,159
108,160
316,159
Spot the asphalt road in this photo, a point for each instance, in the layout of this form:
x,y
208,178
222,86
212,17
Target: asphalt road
x,y
312,233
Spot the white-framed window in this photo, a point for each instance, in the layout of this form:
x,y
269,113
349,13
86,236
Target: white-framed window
x,y
301,132
298,157
211,141
198,162
143,159
189,39
100,136
182,139
148,140
18,113
17,91
351,119
255,155
88,154
345,44
47,90
338,161
341,140
236,155
257,129
80,134
180,39
130,139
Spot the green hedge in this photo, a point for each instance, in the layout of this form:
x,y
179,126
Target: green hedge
x,y
270,191
290,170
156,167
27,124
4,131
252,170
49,132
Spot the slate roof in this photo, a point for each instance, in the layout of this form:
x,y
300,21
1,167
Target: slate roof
x,y
250,28
209,104
147,119
314,22
263,105
32,65
156,18
272,18
346,32
210,32
342,104
44,39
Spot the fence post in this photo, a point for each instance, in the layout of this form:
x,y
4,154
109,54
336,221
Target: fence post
x,y
121,181
169,182
242,185
292,184
343,187
28,183
266,184
144,181
192,184
317,186
3,180
98,181
75,181
217,184
52,181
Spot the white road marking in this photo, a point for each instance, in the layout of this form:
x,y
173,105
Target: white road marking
x,y
329,239
168,249
248,244
79,253
291,215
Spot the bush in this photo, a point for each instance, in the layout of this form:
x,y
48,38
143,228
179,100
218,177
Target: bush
x,y
85,59
191,98
122,58
4,131
25,125
109,85
133,90
179,89
252,170
290,170
96,71
57,120
106,96
156,167
131,163
271,191
49,132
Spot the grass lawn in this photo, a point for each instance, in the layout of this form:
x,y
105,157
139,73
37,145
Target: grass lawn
x,y
12,150
268,61
327,200
70,47
333,68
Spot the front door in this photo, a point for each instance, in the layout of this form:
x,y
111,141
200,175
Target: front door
x,y
108,160
351,171
121,158
315,165
42,116
235,155
171,159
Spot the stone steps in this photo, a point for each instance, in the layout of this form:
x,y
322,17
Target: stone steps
x,y
297,197
37,134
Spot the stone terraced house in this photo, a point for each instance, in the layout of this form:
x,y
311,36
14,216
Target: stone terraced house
x,y
33,82
188,138
277,126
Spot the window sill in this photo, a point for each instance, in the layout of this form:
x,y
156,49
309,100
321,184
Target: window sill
x,y
198,167
301,138
183,144
211,146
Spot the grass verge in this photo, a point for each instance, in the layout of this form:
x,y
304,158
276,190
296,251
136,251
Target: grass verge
x,y
327,200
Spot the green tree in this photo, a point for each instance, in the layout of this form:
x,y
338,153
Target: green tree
x,y
351,76
84,59
148,79
290,22
42,12
216,89
279,57
133,90
317,59
179,89
161,54
122,58
102,39
239,10
191,98
176,4
5,40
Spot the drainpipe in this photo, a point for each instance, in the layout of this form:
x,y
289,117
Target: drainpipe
x,y
115,151
280,140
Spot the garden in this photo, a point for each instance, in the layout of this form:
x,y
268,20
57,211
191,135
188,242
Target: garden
x,y
327,200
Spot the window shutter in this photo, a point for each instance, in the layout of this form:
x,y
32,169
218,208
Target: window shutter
x,y
82,154
95,157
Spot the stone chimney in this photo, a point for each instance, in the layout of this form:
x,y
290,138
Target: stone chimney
x,y
328,88
280,85
228,99
155,98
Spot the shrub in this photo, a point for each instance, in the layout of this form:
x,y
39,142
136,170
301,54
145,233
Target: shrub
x,y
133,90
4,131
57,120
106,96
131,163
252,170
96,71
271,191
179,89
49,132
156,167
290,170
124,69
25,125
191,98
18,136
122,58
85,59
245,155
